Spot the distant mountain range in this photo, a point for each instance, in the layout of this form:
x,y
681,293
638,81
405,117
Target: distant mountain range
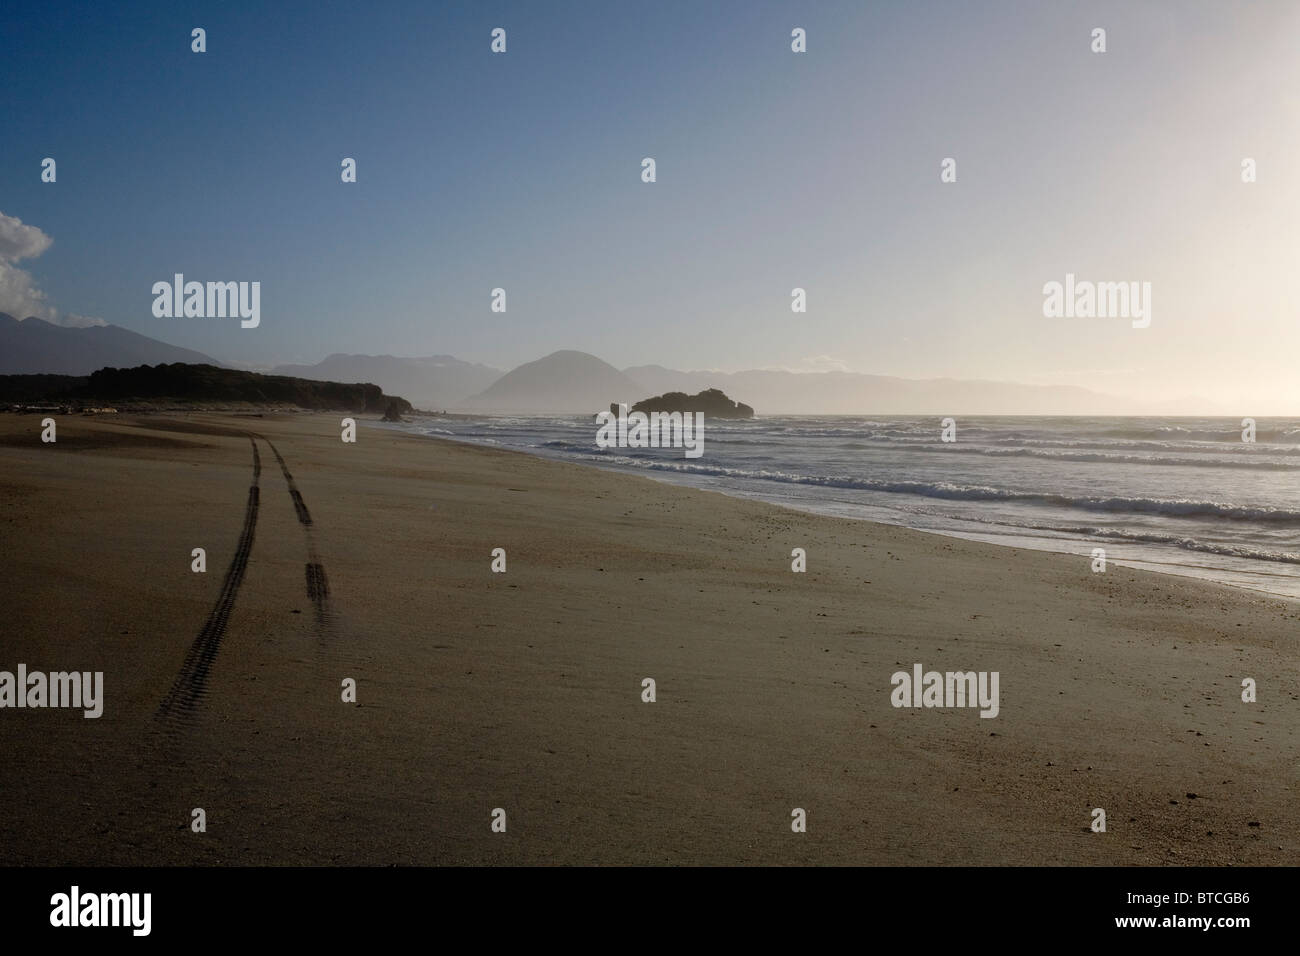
x,y
33,346
575,382
564,382
435,382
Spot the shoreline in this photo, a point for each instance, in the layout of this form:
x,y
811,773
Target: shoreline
x,y
523,690
1207,575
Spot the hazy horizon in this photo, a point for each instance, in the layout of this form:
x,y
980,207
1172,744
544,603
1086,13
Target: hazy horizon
x,y
775,170
741,382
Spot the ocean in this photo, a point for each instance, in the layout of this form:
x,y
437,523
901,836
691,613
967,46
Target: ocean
x,y
1183,496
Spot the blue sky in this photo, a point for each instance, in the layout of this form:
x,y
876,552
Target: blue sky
x,y
775,170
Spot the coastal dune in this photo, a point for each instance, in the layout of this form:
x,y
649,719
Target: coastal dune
x,y
523,690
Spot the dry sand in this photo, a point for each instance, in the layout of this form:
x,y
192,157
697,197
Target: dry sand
x,y
523,690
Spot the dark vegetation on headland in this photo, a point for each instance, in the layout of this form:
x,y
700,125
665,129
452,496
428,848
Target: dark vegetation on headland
x,y
184,384
712,402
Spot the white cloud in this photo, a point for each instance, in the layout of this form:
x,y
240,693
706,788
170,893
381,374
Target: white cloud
x,y
74,321
19,295
19,241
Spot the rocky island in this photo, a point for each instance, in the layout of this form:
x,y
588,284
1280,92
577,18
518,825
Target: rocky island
x,y
712,402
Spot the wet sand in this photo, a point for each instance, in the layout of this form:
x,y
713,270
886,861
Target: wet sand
x,y
523,690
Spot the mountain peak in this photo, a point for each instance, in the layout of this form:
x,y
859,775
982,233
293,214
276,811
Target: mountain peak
x,y
564,382
33,346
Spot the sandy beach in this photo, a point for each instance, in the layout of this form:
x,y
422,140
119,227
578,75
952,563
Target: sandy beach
x,y
523,690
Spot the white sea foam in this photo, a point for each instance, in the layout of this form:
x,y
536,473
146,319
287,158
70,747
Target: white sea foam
x,y
1185,495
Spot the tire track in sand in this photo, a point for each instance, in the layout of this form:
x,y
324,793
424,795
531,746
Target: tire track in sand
x,y
191,683
318,589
